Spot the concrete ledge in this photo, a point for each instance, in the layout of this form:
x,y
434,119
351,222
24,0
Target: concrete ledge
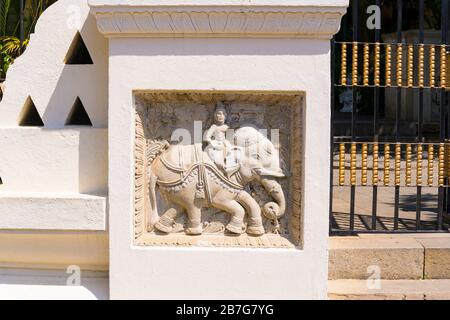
x,y
390,290
437,257
396,258
58,250
18,284
52,211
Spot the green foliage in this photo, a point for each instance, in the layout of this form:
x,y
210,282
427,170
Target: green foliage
x,y
4,7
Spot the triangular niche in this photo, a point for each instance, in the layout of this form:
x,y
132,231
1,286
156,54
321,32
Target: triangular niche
x,y
78,115
78,52
29,117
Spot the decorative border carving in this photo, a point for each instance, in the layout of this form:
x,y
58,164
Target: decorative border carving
x,y
143,236
247,21
139,175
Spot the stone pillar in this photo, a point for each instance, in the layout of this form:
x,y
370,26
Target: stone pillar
x,y
174,62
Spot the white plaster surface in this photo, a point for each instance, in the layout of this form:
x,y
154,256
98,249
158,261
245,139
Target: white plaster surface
x,y
218,3
46,171
73,161
42,74
228,65
48,160
218,64
53,211
22,284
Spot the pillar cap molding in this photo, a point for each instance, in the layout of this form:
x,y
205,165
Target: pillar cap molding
x,y
225,18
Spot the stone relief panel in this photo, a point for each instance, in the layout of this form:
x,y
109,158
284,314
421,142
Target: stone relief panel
x,y
218,169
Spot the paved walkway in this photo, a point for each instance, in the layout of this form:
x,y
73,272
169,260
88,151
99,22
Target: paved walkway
x,y
386,200
385,208
389,290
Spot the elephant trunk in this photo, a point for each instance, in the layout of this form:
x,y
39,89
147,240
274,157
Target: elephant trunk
x,y
275,190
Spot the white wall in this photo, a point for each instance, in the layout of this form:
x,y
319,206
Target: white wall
x,y
207,65
42,73
55,177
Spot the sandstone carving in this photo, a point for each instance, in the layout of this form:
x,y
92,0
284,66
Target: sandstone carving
x,y
234,182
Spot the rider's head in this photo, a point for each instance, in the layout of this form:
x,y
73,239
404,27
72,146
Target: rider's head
x,y
220,114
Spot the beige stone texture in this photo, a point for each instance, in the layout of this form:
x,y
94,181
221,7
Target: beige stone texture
x,y
47,250
390,290
350,258
437,257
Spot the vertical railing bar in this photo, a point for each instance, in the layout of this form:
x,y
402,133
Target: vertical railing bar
x,y
376,132
355,15
399,89
398,109
444,35
420,116
447,189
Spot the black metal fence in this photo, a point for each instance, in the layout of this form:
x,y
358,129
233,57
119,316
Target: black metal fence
x,y
390,165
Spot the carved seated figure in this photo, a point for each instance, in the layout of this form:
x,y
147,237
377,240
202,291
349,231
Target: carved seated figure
x,y
218,146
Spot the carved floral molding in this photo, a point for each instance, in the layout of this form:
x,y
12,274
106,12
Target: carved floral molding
x,y
218,21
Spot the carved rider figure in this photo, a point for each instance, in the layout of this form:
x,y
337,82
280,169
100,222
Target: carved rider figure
x,y
218,146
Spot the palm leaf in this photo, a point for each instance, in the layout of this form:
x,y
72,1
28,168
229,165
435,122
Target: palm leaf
x,y
12,46
4,7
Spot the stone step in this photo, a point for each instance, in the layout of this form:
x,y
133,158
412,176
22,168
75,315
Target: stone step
x,y
393,257
389,290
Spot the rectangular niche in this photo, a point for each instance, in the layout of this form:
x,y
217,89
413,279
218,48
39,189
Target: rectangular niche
x,y
173,180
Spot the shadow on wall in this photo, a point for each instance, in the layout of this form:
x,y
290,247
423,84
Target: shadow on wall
x,y
223,47
84,79
93,161
79,103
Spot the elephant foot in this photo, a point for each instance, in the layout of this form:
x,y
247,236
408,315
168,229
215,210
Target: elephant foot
x,y
256,230
194,231
165,225
234,229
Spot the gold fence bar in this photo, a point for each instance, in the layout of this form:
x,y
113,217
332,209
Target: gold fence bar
x,y
355,65
430,165
410,65
364,166
421,66
443,66
388,65
344,64
399,65
366,64
398,164
353,165
376,150
377,64
419,165
441,165
387,164
432,66
408,165
342,164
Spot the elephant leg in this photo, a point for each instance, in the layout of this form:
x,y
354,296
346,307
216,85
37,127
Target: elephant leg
x,y
255,225
237,214
167,220
194,225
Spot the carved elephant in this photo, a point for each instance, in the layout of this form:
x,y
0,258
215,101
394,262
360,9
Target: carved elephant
x,y
189,180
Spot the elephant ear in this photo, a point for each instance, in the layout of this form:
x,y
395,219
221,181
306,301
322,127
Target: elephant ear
x,y
269,172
